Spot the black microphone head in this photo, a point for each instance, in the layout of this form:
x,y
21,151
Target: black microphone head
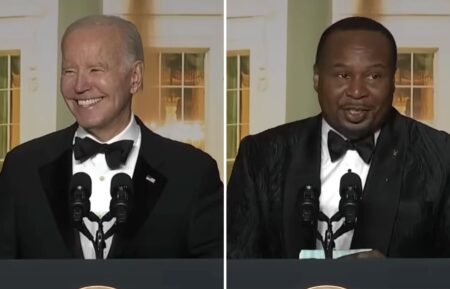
x,y
350,191
121,181
81,179
79,194
352,180
309,204
121,197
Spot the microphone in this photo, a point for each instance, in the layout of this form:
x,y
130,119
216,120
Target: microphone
x,y
351,194
121,197
79,194
309,206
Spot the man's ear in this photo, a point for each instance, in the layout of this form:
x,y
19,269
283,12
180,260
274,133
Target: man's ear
x,y
316,78
137,76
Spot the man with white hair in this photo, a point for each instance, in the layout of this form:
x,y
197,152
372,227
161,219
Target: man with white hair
x,y
171,193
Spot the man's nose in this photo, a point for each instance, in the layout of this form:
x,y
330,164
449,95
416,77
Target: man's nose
x,y
82,83
357,88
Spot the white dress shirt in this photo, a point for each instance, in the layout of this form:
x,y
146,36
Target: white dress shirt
x,y
101,176
330,177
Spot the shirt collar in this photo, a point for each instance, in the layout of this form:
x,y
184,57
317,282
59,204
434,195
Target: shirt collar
x,y
326,128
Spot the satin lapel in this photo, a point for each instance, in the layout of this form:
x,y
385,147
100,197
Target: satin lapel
x,y
55,178
382,189
303,169
148,185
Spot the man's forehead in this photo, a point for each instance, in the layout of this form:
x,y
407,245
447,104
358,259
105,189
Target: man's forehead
x,y
355,34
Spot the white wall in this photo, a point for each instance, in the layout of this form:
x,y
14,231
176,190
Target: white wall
x,y
260,26
32,28
69,11
306,22
417,24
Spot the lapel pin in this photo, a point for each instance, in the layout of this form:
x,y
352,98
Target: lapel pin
x,y
150,179
395,153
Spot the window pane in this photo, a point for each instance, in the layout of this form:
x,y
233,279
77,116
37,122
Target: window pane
x,y
3,72
245,71
402,100
4,107
423,103
15,64
231,141
3,140
194,104
403,74
194,69
423,69
171,69
232,72
171,104
232,107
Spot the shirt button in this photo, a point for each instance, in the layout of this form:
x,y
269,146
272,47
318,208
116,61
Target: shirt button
x,y
102,178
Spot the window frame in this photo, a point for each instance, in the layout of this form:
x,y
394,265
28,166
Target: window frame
x,y
238,89
411,51
9,89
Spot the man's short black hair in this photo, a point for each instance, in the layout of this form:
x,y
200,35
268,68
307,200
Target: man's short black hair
x,y
358,23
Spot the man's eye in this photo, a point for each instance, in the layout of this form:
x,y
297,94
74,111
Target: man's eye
x,y
374,76
68,71
96,69
343,75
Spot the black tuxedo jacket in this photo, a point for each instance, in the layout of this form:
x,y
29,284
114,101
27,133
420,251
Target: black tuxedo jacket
x,y
405,209
179,215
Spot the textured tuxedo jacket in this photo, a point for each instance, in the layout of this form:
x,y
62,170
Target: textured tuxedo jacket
x,y
405,210
179,215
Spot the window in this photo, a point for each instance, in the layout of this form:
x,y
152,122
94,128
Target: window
x,y
9,102
173,102
238,102
414,80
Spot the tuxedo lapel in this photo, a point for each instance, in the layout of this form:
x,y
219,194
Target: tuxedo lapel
x,y
382,189
303,169
148,185
55,178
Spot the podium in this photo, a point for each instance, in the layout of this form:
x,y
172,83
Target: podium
x,y
208,274
120,274
351,274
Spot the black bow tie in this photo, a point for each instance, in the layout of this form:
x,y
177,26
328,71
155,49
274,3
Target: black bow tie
x,y
337,146
115,153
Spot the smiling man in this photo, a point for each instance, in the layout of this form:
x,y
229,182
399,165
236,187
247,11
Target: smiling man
x,y
289,182
169,194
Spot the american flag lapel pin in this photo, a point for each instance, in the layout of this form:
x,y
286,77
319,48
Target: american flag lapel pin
x,y
150,179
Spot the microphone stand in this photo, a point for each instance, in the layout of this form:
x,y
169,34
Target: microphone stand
x,y
99,243
310,214
328,243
